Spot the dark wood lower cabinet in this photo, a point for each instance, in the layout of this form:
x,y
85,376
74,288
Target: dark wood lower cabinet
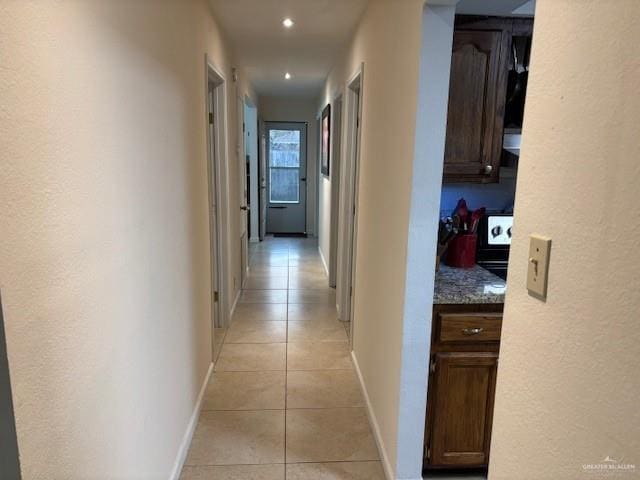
x,y
462,386
465,386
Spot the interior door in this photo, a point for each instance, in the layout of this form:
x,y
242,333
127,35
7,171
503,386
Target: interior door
x,y
262,182
244,208
286,177
213,210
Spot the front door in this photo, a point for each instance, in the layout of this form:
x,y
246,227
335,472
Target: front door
x,y
286,177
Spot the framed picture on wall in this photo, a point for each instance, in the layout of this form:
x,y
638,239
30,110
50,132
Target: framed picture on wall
x,y
326,137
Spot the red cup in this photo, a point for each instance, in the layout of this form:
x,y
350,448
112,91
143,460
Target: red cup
x,y
461,252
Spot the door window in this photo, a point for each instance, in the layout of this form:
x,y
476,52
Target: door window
x,y
284,166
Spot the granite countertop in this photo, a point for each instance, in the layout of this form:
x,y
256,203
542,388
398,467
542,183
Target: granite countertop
x,y
467,285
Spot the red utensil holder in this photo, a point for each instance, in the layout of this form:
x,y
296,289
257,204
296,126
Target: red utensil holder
x,y
461,252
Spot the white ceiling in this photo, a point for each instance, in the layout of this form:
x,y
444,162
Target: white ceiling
x,y
266,50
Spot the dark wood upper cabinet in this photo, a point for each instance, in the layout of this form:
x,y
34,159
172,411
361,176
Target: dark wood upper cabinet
x,y
476,107
480,62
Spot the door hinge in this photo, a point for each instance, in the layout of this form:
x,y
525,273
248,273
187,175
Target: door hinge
x,y
351,291
210,118
215,296
354,209
428,454
432,365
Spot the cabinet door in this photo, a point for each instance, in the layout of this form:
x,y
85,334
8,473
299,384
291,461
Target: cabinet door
x,y
474,121
463,402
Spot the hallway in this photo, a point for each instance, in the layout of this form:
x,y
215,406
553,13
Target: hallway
x,y
284,400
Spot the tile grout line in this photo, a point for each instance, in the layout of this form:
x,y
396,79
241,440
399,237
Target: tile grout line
x,y
286,363
279,409
286,369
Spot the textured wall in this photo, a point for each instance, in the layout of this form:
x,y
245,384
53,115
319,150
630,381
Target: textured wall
x,y
333,87
104,259
389,97
568,382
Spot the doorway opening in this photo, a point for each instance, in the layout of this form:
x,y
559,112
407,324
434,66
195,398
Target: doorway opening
x,y
488,67
345,281
286,177
244,187
9,458
251,162
218,195
262,182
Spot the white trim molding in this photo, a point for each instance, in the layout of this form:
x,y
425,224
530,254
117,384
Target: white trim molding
x,y
373,422
235,304
191,428
220,163
324,262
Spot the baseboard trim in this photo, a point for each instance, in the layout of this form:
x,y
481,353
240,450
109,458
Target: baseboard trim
x,y
386,465
235,304
191,428
254,239
324,262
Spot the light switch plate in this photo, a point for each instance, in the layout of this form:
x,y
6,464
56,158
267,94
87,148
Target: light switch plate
x,y
538,271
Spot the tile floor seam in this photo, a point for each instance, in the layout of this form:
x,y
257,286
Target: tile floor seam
x,y
312,311
286,360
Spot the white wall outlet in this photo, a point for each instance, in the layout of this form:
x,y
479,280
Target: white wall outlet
x,y
538,271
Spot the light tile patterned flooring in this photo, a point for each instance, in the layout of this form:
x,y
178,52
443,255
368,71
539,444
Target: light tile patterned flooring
x,y
284,401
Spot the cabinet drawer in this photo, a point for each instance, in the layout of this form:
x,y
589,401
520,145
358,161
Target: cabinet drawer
x,y
469,327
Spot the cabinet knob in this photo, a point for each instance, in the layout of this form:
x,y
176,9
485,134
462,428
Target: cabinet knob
x,y
472,331
488,169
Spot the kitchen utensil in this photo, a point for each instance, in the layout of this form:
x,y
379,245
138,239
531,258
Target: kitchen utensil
x,y
517,82
456,223
475,218
461,208
463,211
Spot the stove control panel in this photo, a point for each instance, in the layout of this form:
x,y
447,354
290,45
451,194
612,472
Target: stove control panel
x,y
499,229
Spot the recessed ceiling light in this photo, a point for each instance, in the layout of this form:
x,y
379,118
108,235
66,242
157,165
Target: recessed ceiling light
x,y
287,76
287,22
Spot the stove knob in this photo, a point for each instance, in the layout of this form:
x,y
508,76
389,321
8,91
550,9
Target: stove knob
x,y
496,231
509,231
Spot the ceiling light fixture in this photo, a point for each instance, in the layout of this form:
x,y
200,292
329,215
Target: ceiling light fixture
x,y
287,22
287,76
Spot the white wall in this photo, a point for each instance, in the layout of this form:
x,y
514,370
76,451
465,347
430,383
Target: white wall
x,y
298,109
431,127
329,94
568,382
104,259
388,134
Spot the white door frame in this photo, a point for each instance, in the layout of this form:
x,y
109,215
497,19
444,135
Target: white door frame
x,y
251,149
218,180
334,175
262,182
348,229
242,188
